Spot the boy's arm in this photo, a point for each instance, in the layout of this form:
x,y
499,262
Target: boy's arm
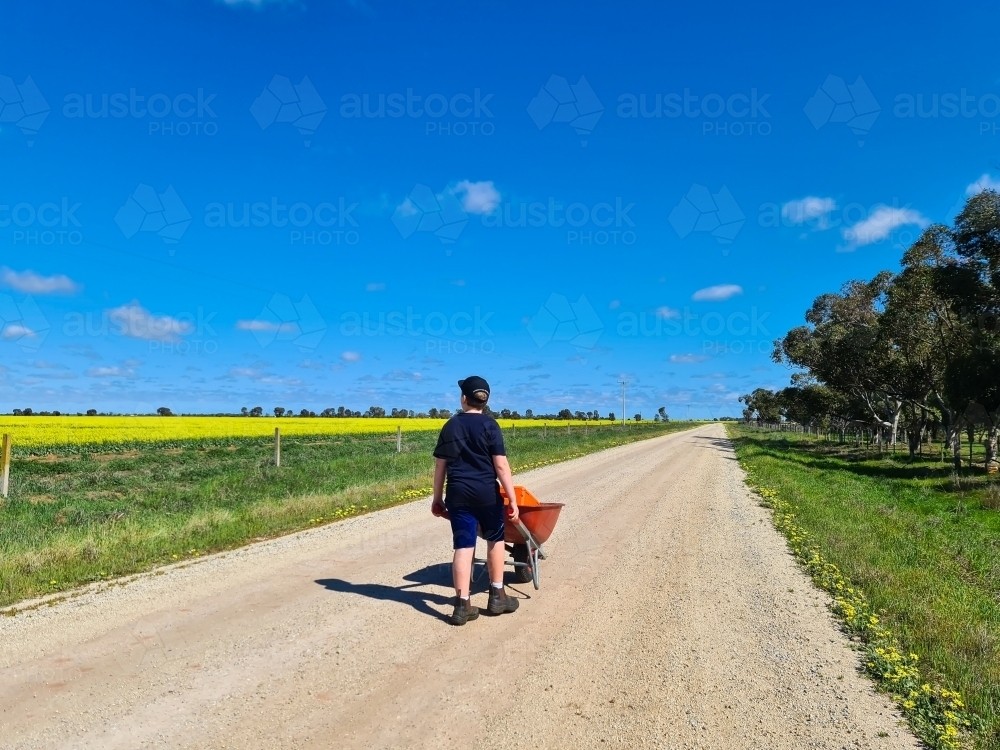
x,y
440,468
502,467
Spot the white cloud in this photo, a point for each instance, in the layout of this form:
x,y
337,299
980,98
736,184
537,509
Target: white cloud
x,y
266,325
717,293
111,372
351,356
403,375
667,313
688,359
983,183
30,282
257,374
880,225
16,331
809,209
375,286
135,321
477,197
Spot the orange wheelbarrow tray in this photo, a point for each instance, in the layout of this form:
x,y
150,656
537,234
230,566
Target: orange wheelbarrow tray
x,y
524,539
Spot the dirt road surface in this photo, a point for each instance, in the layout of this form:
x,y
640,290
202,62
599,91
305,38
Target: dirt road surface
x,y
670,615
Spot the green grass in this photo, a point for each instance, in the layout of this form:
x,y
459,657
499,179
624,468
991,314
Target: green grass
x,y
75,518
922,544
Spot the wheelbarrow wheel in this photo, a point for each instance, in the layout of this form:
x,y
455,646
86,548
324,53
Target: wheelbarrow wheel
x,y
522,573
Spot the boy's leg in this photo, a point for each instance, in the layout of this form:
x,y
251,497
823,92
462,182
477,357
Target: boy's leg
x,y
461,571
496,555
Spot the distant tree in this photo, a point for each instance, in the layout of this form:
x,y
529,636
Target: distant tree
x,y
91,412
611,416
529,414
432,413
505,413
580,415
244,411
56,414
515,415
565,414
421,415
761,404
638,417
257,411
28,412
444,413
279,411
340,411
164,411
374,411
304,413
18,412
662,412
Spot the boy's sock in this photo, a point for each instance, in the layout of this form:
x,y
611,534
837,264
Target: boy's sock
x,y
496,585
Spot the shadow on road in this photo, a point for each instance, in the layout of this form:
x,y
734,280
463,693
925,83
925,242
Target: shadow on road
x,y
419,600
431,575
722,445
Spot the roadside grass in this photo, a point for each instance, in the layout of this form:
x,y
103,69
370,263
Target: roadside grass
x,y
922,544
74,518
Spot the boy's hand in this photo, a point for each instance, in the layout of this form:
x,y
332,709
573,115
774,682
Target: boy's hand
x,y
513,514
437,506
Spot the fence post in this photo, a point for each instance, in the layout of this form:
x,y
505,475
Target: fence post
x,y
5,467
545,430
399,440
567,428
277,446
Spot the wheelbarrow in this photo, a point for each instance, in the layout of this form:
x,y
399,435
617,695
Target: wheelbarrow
x,y
524,539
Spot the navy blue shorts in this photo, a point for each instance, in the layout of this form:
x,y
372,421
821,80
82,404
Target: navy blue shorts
x,y
469,522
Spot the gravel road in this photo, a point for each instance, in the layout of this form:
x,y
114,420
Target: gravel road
x,y
670,615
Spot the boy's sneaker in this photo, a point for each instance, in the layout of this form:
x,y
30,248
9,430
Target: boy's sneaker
x,y
464,611
500,603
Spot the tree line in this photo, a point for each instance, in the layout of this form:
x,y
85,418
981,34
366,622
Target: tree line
x,y
371,412
914,352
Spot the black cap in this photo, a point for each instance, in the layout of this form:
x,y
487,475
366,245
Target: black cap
x,y
475,387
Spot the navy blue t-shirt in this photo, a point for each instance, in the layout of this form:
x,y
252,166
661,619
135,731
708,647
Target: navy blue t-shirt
x,y
468,442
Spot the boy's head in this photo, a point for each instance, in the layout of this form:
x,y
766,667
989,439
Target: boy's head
x,y
475,390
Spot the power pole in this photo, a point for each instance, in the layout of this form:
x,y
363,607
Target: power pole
x,y
624,383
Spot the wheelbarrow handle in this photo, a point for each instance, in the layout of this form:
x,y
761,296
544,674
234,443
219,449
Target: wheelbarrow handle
x,y
529,538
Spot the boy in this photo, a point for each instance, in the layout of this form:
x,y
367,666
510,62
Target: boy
x,y
471,452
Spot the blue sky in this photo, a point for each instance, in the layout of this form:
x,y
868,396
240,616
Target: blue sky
x,y
209,205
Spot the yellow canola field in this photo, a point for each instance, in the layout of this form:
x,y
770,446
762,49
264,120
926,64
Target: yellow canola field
x,y
34,432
